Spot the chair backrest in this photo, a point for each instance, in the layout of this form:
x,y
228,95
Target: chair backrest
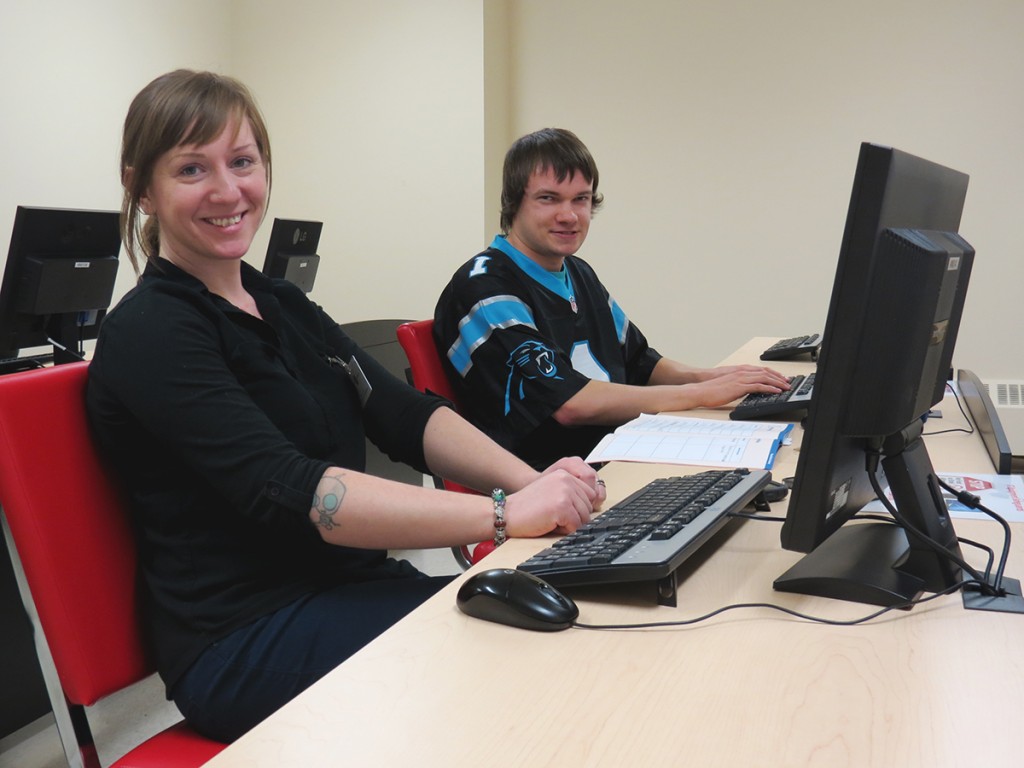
x,y
428,374
72,533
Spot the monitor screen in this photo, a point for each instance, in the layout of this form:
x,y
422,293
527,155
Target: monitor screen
x,y
58,280
895,309
291,253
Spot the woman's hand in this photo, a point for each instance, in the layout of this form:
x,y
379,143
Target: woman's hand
x,y
577,467
557,501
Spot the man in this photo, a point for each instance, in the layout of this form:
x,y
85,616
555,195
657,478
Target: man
x,y
543,359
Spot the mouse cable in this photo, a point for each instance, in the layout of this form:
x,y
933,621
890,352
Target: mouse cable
x,y
772,519
755,516
789,611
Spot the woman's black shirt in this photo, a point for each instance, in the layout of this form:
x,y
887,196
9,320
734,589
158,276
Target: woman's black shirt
x,y
220,426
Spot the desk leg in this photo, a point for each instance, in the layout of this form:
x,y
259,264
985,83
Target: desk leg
x,y
666,588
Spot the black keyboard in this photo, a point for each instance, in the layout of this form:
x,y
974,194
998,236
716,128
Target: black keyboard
x,y
757,405
649,534
793,347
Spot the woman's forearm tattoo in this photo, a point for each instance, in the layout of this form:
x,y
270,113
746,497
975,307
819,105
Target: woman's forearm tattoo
x,y
328,502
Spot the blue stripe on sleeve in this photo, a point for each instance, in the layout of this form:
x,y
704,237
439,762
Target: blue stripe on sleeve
x,y
621,321
481,321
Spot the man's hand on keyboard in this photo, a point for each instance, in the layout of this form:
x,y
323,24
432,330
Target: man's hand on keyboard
x,y
732,382
753,372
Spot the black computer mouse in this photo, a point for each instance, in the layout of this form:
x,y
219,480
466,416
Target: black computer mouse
x,y
516,598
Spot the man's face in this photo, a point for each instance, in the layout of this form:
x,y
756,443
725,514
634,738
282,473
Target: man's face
x,y
553,217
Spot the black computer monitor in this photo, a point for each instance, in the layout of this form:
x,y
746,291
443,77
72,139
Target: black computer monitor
x,y
291,253
885,358
58,280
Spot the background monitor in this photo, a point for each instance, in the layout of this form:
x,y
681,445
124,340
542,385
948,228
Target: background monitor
x,y
291,253
58,280
886,351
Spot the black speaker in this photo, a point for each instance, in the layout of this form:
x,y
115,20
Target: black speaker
x,y
66,285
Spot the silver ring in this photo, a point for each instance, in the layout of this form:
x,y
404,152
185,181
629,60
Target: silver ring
x,y
600,481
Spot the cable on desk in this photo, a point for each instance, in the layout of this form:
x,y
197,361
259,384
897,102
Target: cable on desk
x,y
755,516
983,547
887,519
963,413
782,609
972,501
982,581
872,458
968,499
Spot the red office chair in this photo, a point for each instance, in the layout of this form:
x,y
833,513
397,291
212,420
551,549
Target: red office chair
x,y
428,375
74,557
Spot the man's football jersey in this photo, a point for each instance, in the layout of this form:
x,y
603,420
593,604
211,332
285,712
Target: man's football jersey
x,y
519,341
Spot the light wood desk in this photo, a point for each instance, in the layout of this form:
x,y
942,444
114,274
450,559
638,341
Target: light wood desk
x,y
936,686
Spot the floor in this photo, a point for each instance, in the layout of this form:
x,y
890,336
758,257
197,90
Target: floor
x,y
127,718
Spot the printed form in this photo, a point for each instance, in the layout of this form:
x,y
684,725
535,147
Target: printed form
x,y
664,439
1003,494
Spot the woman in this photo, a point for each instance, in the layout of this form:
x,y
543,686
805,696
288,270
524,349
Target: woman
x,y
236,412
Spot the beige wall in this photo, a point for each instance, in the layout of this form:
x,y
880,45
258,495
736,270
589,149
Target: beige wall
x,y
376,113
726,133
69,70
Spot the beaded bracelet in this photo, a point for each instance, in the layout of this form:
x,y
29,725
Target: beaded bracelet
x,y
498,497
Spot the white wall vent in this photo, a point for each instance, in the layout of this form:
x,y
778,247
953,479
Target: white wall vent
x,y
1006,394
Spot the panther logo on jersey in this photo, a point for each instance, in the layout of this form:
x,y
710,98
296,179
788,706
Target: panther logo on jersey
x,y
530,360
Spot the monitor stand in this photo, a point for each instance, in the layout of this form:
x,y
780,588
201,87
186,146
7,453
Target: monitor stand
x,y
880,563
859,562
64,335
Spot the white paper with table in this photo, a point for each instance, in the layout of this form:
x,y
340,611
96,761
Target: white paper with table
x,y
666,439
